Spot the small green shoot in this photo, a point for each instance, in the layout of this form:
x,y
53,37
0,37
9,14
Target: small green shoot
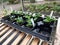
x,y
19,20
48,19
37,16
29,23
5,12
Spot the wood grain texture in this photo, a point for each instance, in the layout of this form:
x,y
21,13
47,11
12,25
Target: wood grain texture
x,y
10,38
1,24
25,41
45,43
35,41
2,32
6,35
16,41
2,27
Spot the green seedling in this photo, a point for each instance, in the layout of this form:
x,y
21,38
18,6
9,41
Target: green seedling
x,y
19,12
5,12
29,23
27,16
48,19
19,20
14,12
37,16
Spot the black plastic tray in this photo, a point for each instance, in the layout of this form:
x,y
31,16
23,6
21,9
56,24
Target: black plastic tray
x,y
27,30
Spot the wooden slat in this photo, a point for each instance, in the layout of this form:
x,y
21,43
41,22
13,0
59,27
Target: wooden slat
x,y
3,31
41,41
16,41
35,41
2,27
10,38
1,24
30,40
26,40
44,43
6,35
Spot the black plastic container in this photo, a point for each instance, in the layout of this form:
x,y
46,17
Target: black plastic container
x,y
41,31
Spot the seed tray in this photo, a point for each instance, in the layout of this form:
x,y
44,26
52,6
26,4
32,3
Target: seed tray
x,y
45,35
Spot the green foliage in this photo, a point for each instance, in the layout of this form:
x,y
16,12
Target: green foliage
x,y
13,1
13,12
48,19
29,23
32,1
37,16
28,17
32,8
54,3
40,7
5,12
56,8
48,7
17,12
19,20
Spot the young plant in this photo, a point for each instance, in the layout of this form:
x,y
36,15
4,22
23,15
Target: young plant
x,y
13,1
40,7
17,13
28,20
48,19
27,16
32,8
29,23
32,1
14,12
36,16
5,12
19,20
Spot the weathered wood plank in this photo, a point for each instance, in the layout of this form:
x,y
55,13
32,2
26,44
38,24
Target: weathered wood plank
x,y
45,43
2,32
1,24
35,41
16,41
5,35
10,38
25,41
2,27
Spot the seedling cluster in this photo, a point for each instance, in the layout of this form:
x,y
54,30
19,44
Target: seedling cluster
x,y
36,22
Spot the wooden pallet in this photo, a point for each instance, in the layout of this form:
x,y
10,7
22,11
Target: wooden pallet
x,y
11,36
